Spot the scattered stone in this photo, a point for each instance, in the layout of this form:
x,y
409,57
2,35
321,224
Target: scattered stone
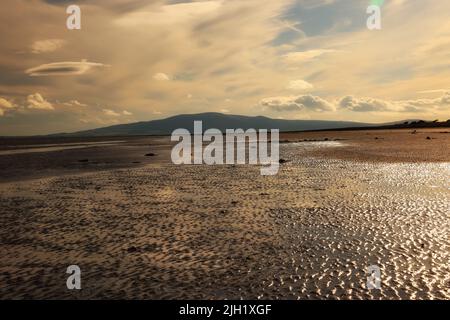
x,y
283,160
428,138
132,249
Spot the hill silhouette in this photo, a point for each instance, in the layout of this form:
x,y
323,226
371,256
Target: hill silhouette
x,y
213,120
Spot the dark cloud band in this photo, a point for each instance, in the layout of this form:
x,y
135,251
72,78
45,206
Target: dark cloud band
x,y
63,68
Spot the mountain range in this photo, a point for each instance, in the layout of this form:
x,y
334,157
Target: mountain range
x,y
213,120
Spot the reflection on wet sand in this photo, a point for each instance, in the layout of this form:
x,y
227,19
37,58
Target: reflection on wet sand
x,y
55,147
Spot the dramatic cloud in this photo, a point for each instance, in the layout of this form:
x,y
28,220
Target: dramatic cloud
x,y
433,91
111,113
36,101
118,6
302,56
63,68
299,85
5,105
280,104
364,104
377,105
182,12
161,77
355,104
49,45
74,103
303,102
186,56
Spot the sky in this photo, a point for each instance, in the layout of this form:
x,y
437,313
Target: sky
x,y
139,60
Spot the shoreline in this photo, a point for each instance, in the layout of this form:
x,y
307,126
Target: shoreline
x,y
389,146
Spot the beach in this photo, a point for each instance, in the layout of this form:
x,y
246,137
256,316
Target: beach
x,y
140,227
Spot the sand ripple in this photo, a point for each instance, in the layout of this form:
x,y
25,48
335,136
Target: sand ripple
x,y
227,232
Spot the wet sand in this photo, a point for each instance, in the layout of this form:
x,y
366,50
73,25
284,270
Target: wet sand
x,y
141,227
400,145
